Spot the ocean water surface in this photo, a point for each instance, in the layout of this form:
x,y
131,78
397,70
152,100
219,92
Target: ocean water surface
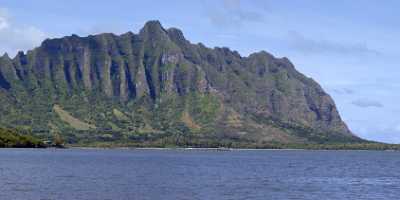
x,y
30,174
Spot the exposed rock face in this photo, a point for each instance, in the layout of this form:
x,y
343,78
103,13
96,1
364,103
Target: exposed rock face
x,y
162,82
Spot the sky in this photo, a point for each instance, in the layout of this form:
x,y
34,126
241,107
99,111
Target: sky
x,y
349,47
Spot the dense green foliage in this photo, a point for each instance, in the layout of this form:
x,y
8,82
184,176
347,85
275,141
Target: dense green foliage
x,y
173,142
12,139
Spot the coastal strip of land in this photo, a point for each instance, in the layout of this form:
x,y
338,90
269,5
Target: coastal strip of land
x,y
240,146
14,138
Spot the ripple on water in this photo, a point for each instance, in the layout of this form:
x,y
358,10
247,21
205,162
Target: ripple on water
x,y
141,174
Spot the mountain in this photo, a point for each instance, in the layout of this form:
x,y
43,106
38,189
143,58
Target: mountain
x,y
155,87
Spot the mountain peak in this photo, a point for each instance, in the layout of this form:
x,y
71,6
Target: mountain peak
x,y
153,30
5,56
153,25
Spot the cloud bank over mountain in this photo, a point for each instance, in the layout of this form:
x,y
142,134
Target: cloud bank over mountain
x,y
14,36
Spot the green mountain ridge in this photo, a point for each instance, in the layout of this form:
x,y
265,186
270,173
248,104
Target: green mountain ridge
x,y
156,87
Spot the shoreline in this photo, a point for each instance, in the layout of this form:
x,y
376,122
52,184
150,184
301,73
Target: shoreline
x,y
239,147
199,149
217,149
244,147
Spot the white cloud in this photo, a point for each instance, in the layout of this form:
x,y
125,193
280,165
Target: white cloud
x,y
365,103
3,23
342,91
15,37
310,45
232,14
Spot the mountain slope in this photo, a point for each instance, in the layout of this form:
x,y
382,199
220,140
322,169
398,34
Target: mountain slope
x,y
155,86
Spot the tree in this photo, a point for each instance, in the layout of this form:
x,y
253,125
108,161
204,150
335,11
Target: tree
x,y
58,140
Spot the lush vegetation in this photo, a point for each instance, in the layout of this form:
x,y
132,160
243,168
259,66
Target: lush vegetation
x,y
233,145
180,140
13,139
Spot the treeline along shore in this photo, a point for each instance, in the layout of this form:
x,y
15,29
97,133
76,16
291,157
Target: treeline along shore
x,y
11,138
195,143
15,138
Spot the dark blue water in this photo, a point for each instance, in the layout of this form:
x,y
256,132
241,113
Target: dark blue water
x,y
176,174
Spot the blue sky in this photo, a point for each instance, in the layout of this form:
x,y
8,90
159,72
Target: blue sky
x,y
349,47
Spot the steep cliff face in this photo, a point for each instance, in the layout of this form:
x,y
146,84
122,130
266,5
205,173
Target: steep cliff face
x,y
156,84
